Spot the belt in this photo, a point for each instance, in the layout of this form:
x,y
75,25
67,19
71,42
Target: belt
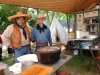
x,y
43,44
25,45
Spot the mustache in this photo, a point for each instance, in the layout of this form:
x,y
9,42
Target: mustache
x,y
22,23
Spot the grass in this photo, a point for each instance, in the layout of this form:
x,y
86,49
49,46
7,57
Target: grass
x,y
78,62
79,66
9,60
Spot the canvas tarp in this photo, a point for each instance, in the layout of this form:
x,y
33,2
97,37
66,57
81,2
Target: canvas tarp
x,y
65,6
57,29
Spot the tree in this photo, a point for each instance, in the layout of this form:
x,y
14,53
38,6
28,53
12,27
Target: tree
x,y
8,10
5,12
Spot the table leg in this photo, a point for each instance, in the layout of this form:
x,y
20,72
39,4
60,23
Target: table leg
x,y
80,49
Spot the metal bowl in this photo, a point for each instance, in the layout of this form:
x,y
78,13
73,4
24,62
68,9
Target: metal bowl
x,y
92,36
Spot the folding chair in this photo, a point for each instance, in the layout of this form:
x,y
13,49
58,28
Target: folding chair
x,y
95,59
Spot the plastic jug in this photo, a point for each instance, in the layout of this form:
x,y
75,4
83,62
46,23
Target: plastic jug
x,y
75,52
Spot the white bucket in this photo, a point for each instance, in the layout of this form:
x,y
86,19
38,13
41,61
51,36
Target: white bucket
x,y
75,52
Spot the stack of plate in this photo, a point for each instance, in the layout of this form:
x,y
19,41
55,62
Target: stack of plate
x,y
28,59
85,45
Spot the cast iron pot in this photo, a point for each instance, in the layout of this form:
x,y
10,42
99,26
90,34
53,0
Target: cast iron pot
x,y
48,55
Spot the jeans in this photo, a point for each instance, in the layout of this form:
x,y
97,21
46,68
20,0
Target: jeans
x,y
22,51
10,51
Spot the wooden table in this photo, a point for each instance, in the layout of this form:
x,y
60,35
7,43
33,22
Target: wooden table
x,y
56,66
80,40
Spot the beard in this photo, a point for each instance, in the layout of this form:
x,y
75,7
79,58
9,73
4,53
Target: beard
x,y
22,24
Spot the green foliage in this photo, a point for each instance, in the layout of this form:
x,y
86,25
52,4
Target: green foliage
x,y
5,12
8,10
32,22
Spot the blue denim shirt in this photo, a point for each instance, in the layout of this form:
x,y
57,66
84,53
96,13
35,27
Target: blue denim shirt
x,y
41,37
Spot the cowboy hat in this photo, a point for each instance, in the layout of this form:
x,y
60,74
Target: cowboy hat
x,y
19,14
40,15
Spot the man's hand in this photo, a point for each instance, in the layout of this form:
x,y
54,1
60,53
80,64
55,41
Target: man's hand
x,y
34,44
0,45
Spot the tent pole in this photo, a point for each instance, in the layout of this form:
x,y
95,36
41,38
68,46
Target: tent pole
x,y
69,22
67,17
37,11
48,17
75,28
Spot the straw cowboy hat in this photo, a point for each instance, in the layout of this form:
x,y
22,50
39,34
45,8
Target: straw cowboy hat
x,y
19,14
40,15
